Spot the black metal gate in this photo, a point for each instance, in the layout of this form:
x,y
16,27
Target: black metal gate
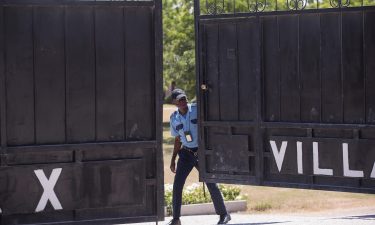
x,y
80,112
287,93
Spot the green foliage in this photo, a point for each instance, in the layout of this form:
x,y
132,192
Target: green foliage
x,y
194,194
179,45
230,192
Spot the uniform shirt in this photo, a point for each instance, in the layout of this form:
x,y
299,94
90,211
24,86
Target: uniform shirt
x,y
180,124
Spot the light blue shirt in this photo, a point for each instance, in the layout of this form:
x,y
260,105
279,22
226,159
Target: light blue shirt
x,y
184,123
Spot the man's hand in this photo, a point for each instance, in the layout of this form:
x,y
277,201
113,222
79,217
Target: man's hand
x,y
173,166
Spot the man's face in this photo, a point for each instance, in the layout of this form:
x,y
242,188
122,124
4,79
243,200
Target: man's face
x,y
181,103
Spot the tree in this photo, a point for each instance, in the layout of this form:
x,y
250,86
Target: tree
x,y
179,45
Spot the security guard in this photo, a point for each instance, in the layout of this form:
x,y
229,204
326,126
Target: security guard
x,y
184,127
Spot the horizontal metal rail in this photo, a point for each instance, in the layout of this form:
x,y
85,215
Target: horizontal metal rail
x,y
234,7
240,15
76,2
285,125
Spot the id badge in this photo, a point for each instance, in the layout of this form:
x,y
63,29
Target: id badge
x,y
188,136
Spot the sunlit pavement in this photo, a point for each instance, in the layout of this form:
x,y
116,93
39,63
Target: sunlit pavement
x,y
365,218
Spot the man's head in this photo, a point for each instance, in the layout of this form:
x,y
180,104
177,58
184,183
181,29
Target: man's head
x,y
179,98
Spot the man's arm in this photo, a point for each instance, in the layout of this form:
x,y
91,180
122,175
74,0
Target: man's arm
x,y
176,148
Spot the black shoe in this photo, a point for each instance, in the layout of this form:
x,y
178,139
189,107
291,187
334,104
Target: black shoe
x,y
174,222
224,219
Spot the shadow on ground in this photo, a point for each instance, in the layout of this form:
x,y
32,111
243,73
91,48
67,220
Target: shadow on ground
x,y
363,217
258,223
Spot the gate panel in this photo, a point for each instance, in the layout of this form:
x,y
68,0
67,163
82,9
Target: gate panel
x,y
19,79
248,63
271,68
230,153
332,104
110,70
369,60
49,75
228,75
289,76
212,70
231,90
352,64
310,102
2,87
80,68
309,68
139,76
80,112
320,161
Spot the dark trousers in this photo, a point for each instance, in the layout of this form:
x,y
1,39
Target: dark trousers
x,y
185,164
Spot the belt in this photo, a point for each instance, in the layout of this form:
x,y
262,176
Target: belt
x,y
194,151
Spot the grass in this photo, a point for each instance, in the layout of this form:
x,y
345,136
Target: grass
x,y
279,200
262,206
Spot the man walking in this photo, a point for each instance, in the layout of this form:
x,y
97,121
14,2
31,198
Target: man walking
x,y
184,127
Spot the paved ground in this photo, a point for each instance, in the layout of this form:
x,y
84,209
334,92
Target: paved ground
x,y
167,111
361,217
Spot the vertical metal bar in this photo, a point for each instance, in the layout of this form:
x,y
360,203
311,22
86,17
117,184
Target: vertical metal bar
x,y
203,71
279,54
364,62
320,68
95,73
238,72
259,162
218,68
298,67
201,96
125,65
158,63
342,69
3,137
34,87
65,74
261,86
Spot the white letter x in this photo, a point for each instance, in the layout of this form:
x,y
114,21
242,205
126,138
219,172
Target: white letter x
x,y
48,185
